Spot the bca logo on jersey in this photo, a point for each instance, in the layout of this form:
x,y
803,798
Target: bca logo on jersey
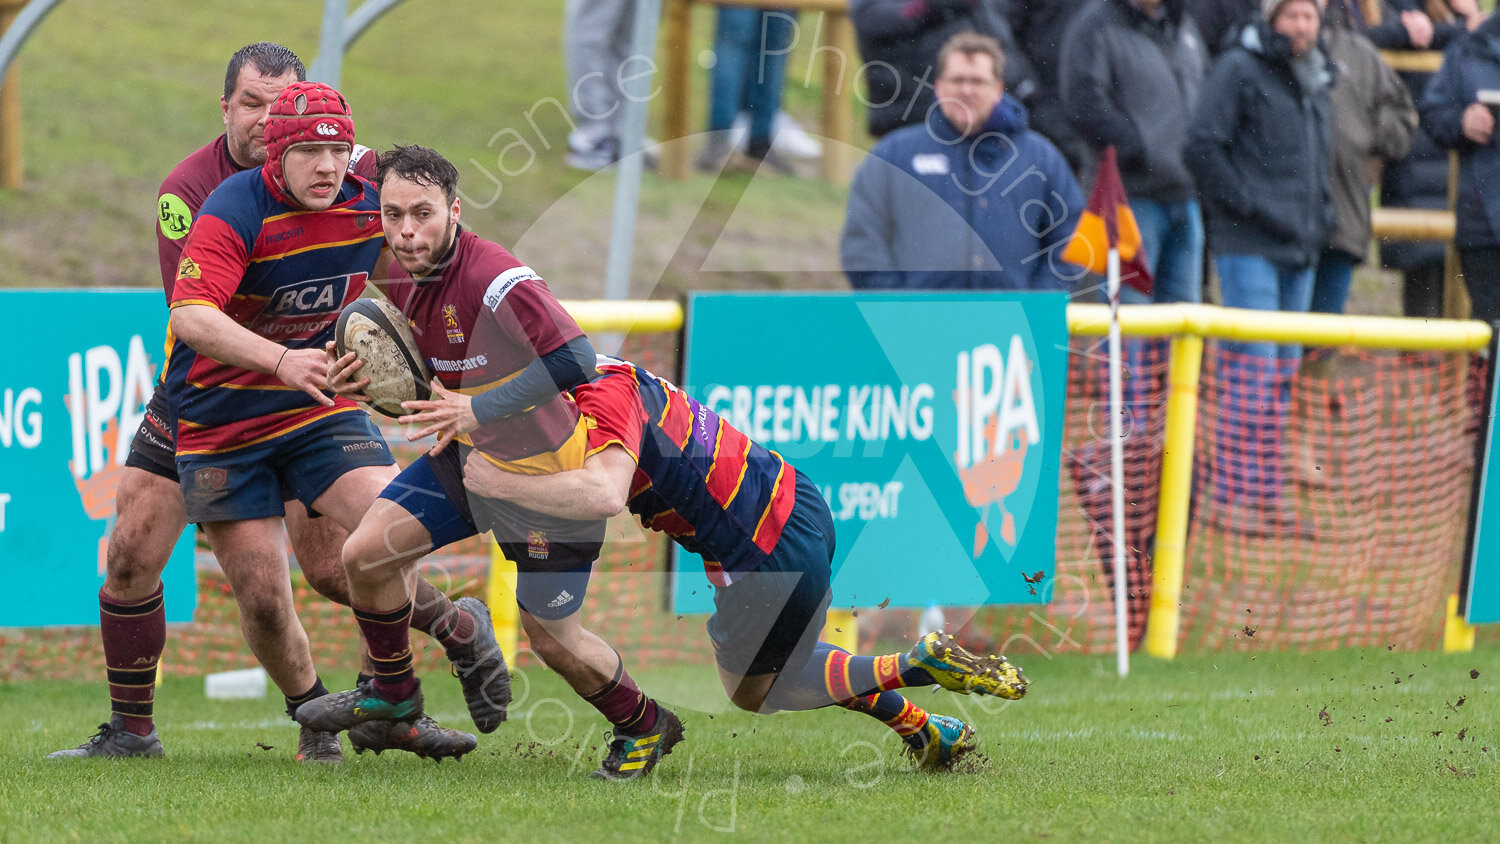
x,y
318,296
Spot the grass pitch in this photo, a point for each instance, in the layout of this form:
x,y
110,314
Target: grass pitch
x,y
1349,745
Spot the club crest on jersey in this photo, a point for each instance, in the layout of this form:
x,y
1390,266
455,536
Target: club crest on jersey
x,y
536,545
211,479
188,269
363,221
450,324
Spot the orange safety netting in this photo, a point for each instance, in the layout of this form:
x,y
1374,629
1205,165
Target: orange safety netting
x,y
1329,509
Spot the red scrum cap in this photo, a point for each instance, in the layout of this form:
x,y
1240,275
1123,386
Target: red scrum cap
x,y
304,113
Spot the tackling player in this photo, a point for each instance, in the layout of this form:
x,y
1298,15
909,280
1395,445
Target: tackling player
x,y
767,539
492,331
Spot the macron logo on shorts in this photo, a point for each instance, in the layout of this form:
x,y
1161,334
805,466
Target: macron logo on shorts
x,y
504,282
564,598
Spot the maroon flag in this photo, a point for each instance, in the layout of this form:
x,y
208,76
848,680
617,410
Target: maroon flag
x,y
1108,222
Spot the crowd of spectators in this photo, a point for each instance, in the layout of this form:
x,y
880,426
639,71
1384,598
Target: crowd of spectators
x,y
1249,133
1249,136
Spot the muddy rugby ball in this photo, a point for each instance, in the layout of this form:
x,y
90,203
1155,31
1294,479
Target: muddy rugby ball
x,y
378,334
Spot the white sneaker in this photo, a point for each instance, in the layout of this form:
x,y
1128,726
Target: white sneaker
x,y
787,136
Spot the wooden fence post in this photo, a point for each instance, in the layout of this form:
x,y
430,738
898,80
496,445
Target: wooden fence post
x,y
10,107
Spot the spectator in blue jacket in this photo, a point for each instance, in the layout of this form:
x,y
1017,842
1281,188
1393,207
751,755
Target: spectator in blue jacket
x,y
969,199
1458,110
1259,150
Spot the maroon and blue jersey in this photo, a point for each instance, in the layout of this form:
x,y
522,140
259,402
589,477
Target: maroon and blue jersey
x,y
479,321
715,491
282,272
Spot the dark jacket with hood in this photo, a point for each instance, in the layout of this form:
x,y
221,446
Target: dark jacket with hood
x,y
1131,81
1221,21
992,211
1469,66
1039,27
900,39
1259,151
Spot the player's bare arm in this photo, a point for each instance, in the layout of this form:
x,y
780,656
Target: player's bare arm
x,y
212,332
447,416
598,490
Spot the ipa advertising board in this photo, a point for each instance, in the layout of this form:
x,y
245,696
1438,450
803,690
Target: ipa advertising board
x,y
81,365
932,423
1482,575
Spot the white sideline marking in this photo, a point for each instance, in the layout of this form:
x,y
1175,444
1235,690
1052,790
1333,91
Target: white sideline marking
x,y
1378,687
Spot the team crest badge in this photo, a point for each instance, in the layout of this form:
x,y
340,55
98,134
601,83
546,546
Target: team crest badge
x,y
450,324
188,269
536,545
362,221
212,479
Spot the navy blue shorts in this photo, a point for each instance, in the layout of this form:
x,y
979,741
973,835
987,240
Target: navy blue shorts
x,y
252,483
552,595
769,618
154,446
554,557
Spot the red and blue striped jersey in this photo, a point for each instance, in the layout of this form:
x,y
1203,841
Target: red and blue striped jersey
x,y
281,272
715,491
184,190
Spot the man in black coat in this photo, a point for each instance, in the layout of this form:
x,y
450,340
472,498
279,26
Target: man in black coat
x,y
1040,28
1220,21
1259,149
1130,75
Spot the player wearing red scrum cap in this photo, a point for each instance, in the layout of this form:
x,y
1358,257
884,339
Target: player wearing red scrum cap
x,y
149,507
274,255
149,516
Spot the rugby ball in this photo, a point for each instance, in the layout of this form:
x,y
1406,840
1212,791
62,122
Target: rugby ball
x,y
380,337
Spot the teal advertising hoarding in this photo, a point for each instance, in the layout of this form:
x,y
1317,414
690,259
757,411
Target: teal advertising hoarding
x,y
1482,576
931,422
80,367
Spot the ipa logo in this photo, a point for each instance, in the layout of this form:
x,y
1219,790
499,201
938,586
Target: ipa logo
x,y
106,400
997,424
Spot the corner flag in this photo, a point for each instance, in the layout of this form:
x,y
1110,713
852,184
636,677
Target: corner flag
x,y
1108,223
